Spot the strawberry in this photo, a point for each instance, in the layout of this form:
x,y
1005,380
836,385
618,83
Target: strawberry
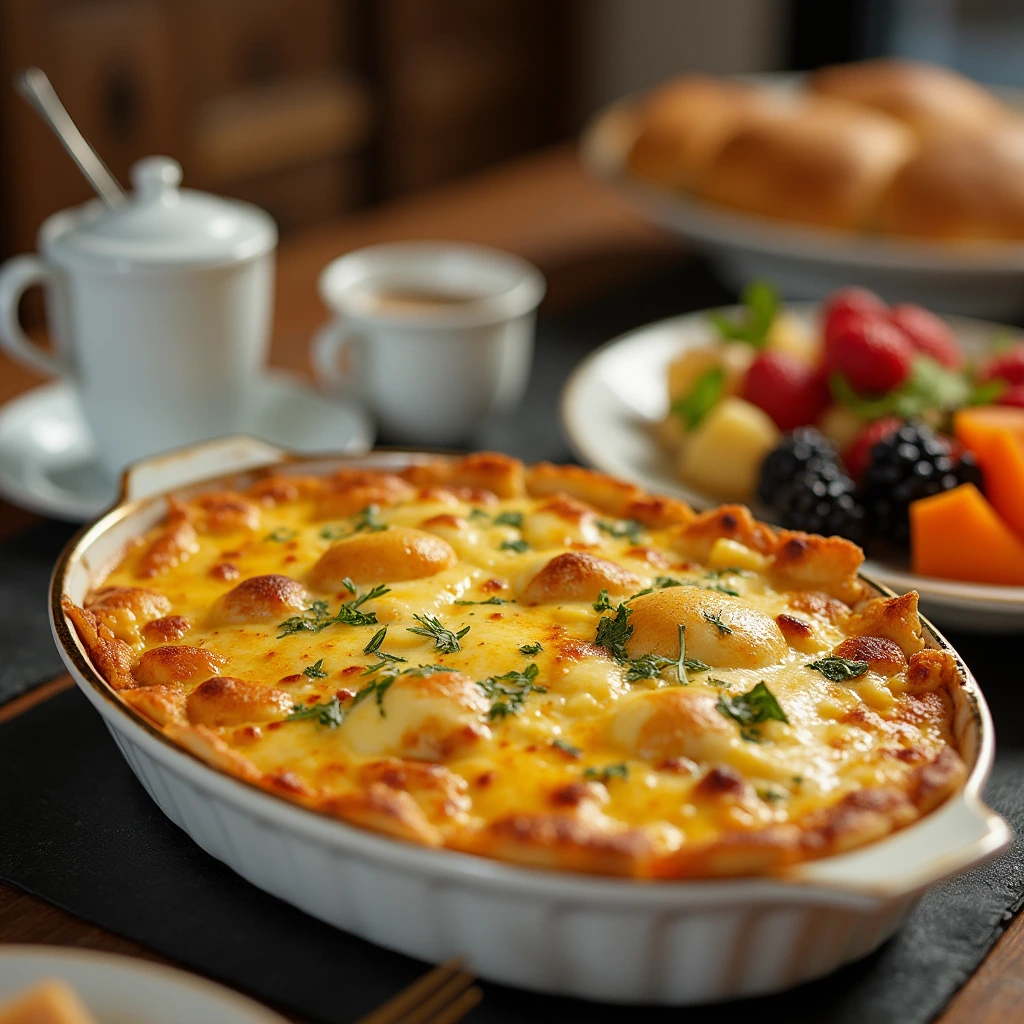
x,y
1008,366
873,355
928,334
858,455
848,304
791,392
1013,395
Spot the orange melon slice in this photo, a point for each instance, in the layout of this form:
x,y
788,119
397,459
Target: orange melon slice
x,y
1003,469
958,535
978,425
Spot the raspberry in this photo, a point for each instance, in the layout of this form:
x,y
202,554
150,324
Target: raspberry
x,y
873,355
928,334
1008,366
858,455
791,392
1013,395
858,300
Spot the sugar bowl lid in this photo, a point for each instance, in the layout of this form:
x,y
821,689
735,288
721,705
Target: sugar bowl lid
x,y
160,225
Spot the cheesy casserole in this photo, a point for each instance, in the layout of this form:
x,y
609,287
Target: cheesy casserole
x,y
538,664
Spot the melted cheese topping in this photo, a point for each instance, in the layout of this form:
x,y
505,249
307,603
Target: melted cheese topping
x,y
490,717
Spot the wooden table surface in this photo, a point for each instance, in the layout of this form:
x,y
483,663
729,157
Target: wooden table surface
x,y
545,209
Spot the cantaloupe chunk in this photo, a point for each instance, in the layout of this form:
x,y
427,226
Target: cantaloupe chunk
x,y
978,425
1003,470
958,535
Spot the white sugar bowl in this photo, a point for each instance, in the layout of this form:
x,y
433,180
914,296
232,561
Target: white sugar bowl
x,y
159,311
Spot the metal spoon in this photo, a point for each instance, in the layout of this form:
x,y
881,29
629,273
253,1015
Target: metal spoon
x,y
33,84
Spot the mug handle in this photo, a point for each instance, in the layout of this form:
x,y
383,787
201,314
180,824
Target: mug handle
x,y
17,275
328,343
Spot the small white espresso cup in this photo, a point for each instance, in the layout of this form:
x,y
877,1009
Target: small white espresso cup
x,y
432,336
159,311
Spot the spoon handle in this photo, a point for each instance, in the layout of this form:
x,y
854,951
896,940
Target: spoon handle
x,y
33,84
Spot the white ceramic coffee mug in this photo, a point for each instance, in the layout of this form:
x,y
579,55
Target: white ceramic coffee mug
x,y
159,311
432,336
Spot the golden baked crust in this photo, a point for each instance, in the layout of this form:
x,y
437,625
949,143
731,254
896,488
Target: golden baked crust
x,y
543,665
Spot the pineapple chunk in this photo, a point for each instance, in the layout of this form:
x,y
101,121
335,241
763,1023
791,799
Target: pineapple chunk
x,y
794,337
690,365
841,425
726,553
724,454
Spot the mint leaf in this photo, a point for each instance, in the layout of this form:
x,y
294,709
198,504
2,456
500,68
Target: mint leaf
x,y
760,307
703,397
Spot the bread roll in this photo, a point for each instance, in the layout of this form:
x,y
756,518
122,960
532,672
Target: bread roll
x,y
685,122
824,162
930,99
966,186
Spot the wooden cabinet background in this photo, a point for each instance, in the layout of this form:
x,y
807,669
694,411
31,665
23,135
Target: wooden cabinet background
x,y
310,108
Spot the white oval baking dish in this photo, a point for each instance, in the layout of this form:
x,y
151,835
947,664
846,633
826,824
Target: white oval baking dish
x,y
598,938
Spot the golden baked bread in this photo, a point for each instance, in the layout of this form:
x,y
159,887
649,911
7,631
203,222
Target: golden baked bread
x,y
683,124
539,664
960,187
929,98
825,162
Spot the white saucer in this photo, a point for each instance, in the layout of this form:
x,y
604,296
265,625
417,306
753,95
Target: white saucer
x,y
48,458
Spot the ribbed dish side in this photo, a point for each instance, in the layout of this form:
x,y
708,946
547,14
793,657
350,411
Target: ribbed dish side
x,y
664,955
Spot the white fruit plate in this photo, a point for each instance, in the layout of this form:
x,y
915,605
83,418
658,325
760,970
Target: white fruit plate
x,y
617,395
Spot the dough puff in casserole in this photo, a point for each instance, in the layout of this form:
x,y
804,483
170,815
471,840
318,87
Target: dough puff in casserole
x,y
537,664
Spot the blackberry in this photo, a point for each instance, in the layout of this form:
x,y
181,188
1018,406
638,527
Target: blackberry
x,y
803,449
911,463
821,498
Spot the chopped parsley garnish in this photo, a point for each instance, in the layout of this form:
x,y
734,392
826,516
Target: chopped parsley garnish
x,y
315,617
519,546
839,670
348,585
490,600
365,522
282,534
609,772
478,514
753,708
514,519
647,667
729,570
379,688
376,640
629,528
716,621
770,794
613,633
567,748
723,589
760,305
508,692
530,649
713,681
316,670
692,407
329,714
373,647
446,641
603,602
